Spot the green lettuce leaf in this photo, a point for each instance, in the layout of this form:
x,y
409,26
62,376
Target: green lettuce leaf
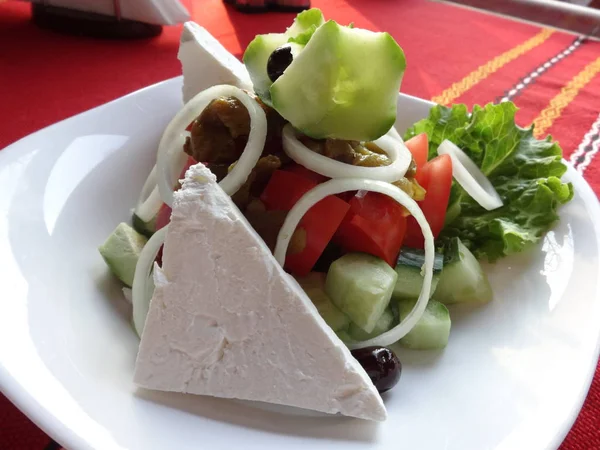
x,y
525,171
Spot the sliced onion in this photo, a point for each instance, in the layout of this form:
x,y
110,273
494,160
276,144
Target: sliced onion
x,y
337,186
149,202
396,151
392,132
171,159
470,177
169,164
139,290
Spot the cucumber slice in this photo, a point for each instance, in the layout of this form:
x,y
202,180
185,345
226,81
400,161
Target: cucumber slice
x,y
462,279
343,85
145,228
255,58
314,286
410,279
121,252
258,51
431,331
384,323
305,25
361,286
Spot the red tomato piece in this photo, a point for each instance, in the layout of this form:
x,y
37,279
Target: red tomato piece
x,y
306,173
419,148
438,181
163,217
375,224
317,226
285,189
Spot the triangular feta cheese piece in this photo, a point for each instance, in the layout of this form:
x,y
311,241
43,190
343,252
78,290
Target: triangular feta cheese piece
x,y
227,321
205,62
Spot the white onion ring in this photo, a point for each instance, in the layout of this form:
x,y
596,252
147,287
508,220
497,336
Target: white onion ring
x,y
171,159
139,294
337,186
396,151
392,132
470,177
149,202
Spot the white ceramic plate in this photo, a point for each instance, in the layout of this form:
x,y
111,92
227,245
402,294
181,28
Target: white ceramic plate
x,y
514,375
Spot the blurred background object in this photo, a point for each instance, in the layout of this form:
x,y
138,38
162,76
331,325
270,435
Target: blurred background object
x,y
255,6
117,19
576,16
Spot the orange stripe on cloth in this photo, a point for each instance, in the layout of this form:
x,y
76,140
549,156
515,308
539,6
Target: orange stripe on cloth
x,y
566,95
482,72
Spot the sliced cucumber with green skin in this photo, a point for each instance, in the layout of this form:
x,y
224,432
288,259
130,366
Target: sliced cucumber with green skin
x,y
145,228
462,280
343,85
121,252
255,58
431,331
314,286
304,25
361,286
409,268
258,51
385,322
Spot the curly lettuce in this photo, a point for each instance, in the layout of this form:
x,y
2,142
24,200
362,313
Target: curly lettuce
x,y
525,171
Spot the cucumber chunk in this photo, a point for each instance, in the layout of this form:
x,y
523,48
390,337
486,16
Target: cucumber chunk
x,y
361,286
431,331
121,251
344,336
314,286
343,85
409,268
462,279
145,228
385,322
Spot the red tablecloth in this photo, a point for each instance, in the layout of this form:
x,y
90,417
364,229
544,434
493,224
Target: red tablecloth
x,y
453,54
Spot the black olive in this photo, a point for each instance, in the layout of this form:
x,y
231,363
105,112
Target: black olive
x,y
381,364
278,61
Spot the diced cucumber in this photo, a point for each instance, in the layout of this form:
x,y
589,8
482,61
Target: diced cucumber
x,y
409,268
121,251
431,331
384,323
344,336
462,279
314,286
145,228
361,286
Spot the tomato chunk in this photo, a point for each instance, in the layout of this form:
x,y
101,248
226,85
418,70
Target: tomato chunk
x,y
306,173
316,228
375,224
419,148
437,175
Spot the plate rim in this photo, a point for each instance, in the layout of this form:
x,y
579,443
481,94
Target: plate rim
x,y
21,398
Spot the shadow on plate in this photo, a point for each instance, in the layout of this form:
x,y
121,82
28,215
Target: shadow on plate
x,y
262,416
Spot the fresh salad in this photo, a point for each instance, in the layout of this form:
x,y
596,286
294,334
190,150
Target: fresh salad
x,y
382,231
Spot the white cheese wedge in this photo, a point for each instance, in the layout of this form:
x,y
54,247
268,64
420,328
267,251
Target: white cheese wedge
x,y
205,62
226,320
